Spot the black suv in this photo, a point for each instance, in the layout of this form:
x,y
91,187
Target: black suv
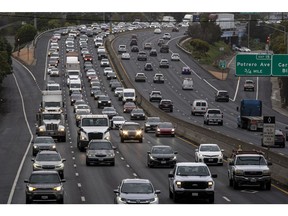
x,y
164,48
142,56
131,131
44,186
166,105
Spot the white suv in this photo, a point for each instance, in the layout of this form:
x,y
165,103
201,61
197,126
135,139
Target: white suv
x,y
191,180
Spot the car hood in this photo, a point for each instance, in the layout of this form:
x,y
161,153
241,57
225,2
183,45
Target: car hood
x,y
54,163
55,121
163,155
42,186
137,196
193,178
251,167
100,152
209,153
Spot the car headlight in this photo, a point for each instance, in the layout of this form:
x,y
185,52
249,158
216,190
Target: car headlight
x,y
99,101
151,157
178,184
57,188
125,132
122,200
62,129
78,117
147,125
31,189
59,166
158,130
266,172
41,129
37,166
111,155
173,130
210,184
35,146
138,132
239,172
174,158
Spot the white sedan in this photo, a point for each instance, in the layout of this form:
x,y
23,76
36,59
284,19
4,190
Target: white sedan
x,y
175,57
125,56
157,31
209,154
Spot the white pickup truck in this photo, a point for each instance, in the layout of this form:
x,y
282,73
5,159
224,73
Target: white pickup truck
x,y
214,116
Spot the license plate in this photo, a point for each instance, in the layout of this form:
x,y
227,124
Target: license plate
x,y
210,159
253,180
163,162
194,194
44,197
100,159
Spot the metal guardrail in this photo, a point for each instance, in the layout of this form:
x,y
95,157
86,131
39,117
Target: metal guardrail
x,y
198,134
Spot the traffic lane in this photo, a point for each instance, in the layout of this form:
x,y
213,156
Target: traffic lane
x,y
13,139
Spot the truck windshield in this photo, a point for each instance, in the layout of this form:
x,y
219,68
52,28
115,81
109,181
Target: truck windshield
x,y
51,116
250,160
128,94
52,104
94,122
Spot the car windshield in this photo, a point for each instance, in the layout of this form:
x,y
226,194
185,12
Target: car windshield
x,y
52,104
118,119
44,140
250,160
94,122
48,157
130,127
165,126
162,150
209,148
51,116
100,146
153,120
44,178
137,188
192,171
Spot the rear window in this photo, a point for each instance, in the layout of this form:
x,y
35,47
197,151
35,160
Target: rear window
x,y
214,112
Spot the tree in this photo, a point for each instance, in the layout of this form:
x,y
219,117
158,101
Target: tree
x,y
5,58
206,30
25,34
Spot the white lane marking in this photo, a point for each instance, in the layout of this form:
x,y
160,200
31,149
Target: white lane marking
x,y
83,199
79,185
257,88
75,165
134,174
210,85
27,149
76,174
228,200
237,88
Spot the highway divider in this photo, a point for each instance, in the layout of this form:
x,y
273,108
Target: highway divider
x,y
195,133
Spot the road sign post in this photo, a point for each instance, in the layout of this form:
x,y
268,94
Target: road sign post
x,y
268,131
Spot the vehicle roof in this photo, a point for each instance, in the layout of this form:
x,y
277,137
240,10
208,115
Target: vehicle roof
x,y
130,123
190,164
136,180
208,144
49,152
37,172
94,116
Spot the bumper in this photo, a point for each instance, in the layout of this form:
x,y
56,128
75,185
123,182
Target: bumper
x,y
164,163
54,134
195,194
100,160
44,196
242,180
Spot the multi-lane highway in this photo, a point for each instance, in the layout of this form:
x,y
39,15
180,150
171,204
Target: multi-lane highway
x,y
95,184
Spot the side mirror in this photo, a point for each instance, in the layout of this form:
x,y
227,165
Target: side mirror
x,y
114,148
26,181
170,175
222,150
116,191
63,160
175,152
157,191
63,180
231,163
148,152
196,150
214,175
33,159
269,163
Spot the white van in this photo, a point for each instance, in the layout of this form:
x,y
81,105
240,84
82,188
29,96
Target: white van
x,y
187,84
128,94
199,106
75,85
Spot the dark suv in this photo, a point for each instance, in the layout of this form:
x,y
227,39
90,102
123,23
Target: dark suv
x,y
44,186
142,56
222,95
131,131
166,105
164,48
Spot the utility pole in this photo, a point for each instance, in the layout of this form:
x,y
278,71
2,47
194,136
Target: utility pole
x,y
248,45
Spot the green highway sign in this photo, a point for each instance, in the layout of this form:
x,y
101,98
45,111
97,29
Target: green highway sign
x,y
253,64
280,65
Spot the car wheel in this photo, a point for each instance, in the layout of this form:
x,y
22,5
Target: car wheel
x,y
87,163
235,184
28,201
268,186
170,194
175,197
112,163
211,199
122,140
141,140
62,175
60,201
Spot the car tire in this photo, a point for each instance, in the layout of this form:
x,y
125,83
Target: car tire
x,y
62,175
175,197
170,194
268,186
60,201
141,140
235,184
122,140
112,163
211,199
87,163
28,201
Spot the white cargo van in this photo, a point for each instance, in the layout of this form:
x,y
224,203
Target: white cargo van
x,y
129,94
187,84
199,106
75,85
